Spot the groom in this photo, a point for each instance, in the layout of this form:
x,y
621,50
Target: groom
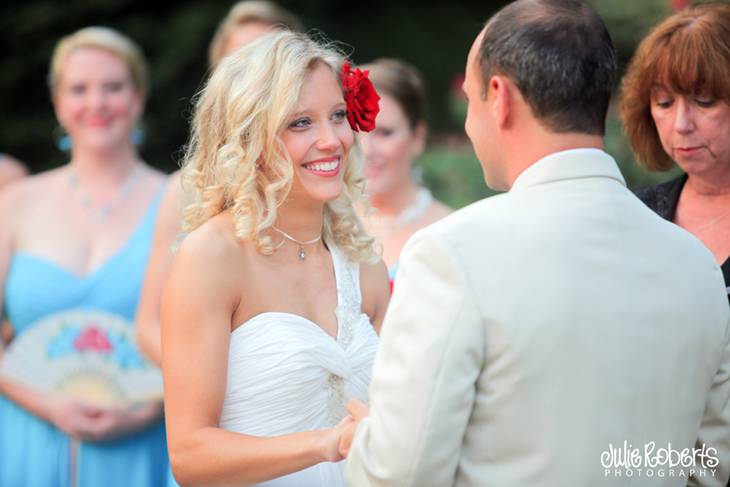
x,y
545,336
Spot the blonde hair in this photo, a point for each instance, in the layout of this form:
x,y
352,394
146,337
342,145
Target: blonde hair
x,y
249,11
100,38
236,159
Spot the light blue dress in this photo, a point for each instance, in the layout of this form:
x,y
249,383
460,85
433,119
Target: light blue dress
x,y
33,453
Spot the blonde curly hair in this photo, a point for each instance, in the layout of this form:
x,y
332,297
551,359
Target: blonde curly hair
x,y
235,158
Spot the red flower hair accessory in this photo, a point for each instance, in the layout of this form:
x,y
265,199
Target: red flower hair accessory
x,y
360,97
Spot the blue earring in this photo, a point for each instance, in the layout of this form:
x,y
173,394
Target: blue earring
x,y
137,136
64,143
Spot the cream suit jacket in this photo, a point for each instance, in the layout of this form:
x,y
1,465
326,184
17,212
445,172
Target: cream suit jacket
x,y
532,332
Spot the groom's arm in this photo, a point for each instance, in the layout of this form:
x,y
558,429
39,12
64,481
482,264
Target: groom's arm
x,y
424,379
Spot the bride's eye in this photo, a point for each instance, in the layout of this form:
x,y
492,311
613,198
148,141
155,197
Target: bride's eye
x,y
339,115
300,123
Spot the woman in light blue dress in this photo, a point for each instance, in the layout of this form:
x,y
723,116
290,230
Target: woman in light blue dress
x,y
10,170
79,237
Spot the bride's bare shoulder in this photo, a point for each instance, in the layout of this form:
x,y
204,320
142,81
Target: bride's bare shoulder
x,y
212,249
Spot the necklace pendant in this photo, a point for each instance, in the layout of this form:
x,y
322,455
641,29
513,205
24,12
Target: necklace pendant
x,y
301,243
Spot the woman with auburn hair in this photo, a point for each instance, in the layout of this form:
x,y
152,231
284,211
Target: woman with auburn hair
x,y
10,170
276,290
401,205
245,22
675,107
77,237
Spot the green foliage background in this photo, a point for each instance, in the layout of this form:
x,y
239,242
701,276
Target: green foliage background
x,y
435,36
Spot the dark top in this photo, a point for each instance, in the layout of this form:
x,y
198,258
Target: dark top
x,y
663,199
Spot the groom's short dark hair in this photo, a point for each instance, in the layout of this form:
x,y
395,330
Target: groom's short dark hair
x,y
561,57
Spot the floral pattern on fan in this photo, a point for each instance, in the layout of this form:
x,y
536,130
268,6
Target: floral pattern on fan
x,y
74,338
92,339
88,354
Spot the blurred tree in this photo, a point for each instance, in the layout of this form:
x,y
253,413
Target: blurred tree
x,y
629,21
433,35
175,36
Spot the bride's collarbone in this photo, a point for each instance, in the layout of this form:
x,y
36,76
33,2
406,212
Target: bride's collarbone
x,y
282,282
282,271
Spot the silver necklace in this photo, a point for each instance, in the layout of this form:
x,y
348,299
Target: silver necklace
x,y
302,255
103,211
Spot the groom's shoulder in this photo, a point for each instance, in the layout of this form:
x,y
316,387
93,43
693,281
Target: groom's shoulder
x,y
493,210
486,223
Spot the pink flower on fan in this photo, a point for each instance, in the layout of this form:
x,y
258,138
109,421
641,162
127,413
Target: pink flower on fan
x,y
92,339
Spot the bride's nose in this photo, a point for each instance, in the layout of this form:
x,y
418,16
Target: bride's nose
x,y
327,139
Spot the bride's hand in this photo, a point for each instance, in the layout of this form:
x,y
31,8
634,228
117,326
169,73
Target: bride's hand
x,y
358,410
330,444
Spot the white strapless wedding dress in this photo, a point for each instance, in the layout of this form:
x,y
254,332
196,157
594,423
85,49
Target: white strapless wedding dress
x,y
287,375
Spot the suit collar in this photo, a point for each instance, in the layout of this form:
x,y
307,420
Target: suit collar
x,y
569,164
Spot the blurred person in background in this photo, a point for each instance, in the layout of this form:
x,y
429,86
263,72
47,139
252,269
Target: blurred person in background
x,y
78,237
10,170
675,107
401,205
245,22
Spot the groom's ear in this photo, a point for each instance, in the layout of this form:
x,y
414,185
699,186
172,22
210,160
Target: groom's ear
x,y
501,104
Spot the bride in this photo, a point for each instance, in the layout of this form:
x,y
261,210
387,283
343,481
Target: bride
x,y
270,313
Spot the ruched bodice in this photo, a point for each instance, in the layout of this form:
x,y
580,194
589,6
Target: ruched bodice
x,y
287,375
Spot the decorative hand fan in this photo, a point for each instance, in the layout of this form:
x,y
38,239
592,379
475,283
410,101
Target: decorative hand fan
x,y
89,355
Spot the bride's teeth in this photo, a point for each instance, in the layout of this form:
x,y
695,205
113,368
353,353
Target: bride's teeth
x,y
323,166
